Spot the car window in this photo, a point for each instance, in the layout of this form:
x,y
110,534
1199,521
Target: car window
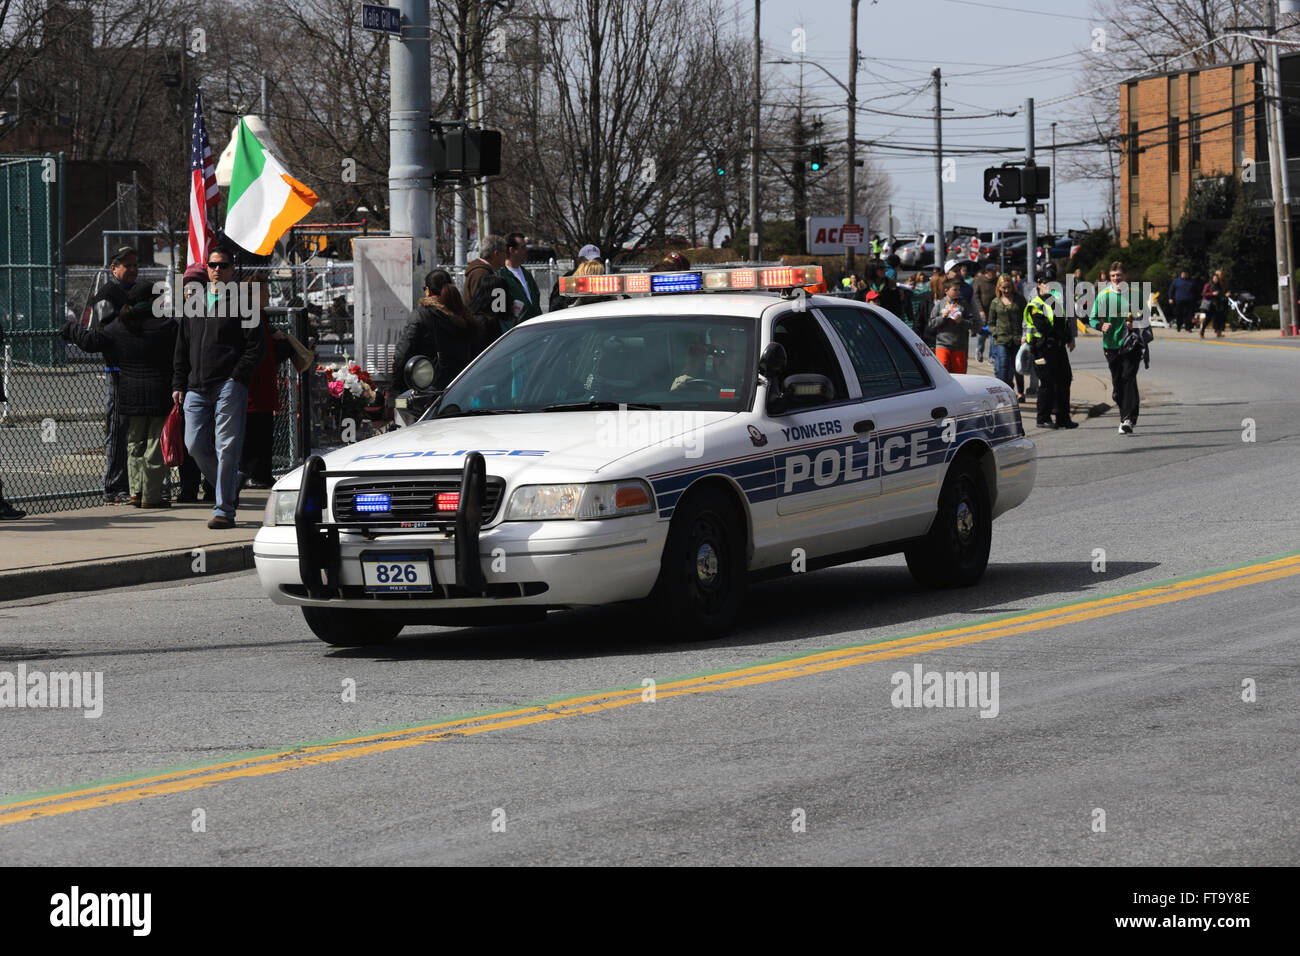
x,y
882,360
807,352
876,371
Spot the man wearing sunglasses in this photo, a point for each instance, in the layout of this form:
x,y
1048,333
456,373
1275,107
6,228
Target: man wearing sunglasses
x,y
216,356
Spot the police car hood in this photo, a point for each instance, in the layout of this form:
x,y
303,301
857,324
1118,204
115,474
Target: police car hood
x,y
551,445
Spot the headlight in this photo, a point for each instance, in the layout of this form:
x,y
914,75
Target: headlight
x,y
280,508
607,499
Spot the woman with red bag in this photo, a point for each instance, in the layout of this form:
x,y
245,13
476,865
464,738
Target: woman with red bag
x,y
141,345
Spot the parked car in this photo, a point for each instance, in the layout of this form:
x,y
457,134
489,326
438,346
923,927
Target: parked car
x,y
915,255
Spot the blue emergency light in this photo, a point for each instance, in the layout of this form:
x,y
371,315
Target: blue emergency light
x,y
676,282
370,503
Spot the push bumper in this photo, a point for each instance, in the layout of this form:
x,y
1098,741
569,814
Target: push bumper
x,y
536,563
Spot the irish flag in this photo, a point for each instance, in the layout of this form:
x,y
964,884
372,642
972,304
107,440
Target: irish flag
x,y
264,199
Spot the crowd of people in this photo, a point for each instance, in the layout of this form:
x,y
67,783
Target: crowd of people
x,y
1007,316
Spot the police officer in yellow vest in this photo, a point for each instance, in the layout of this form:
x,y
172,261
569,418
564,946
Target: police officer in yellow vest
x,y
1047,333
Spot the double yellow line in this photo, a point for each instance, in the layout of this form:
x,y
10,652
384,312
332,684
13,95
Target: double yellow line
x,y
261,765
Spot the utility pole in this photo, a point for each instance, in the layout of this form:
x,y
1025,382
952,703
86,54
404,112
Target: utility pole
x,y
799,173
1055,226
265,114
939,250
1286,299
410,166
1031,223
755,214
463,31
851,178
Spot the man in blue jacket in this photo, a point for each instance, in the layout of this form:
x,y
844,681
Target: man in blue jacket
x,y
1184,293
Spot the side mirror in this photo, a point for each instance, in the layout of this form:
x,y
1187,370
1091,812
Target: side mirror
x,y
808,389
418,372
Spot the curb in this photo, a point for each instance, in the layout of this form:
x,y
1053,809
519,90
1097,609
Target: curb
x,y
124,572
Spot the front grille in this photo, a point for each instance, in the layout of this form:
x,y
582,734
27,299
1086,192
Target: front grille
x,y
413,499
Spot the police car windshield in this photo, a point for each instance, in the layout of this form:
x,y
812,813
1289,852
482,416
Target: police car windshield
x,y
704,363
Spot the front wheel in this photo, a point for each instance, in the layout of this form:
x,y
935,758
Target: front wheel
x,y
956,551
348,627
703,572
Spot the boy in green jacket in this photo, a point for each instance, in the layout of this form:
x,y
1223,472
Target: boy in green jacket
x,y
1112,313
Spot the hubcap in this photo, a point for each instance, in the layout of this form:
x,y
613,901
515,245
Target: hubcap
x,y
965,522
706,564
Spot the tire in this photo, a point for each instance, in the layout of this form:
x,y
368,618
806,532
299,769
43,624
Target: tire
x,y
346,627
955,552
703,573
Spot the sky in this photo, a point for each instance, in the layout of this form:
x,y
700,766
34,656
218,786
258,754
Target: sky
x,y
981,48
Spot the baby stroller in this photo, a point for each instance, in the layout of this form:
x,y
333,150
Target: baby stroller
x,y
1241,313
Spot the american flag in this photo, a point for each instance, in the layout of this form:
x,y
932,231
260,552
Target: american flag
x,y
203,189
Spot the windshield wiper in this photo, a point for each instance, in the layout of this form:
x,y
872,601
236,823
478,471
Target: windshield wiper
x,y
481,411
601,406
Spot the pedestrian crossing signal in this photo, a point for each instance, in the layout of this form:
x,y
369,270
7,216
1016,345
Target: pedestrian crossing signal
x,y
1002,184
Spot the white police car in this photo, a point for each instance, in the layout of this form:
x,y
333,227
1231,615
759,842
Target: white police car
x,y
667,449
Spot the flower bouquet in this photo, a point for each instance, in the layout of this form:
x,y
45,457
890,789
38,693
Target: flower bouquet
x,y
349,390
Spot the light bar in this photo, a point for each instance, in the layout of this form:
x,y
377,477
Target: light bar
x,y
707,280
675,282
372,503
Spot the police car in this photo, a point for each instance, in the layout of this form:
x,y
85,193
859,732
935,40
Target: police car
x,y
710,429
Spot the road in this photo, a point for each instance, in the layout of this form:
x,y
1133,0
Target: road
x,y
1121,735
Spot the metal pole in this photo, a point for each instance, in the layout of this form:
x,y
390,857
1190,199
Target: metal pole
x,y
1281,184
1055,226
410,169
1031,236
266,116
851,178
939,250
755,214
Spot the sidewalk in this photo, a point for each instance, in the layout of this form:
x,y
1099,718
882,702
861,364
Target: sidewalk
x,y
118,545
1089,395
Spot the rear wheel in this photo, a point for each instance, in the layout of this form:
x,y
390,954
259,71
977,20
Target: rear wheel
x,y
956,551
348,627
703,572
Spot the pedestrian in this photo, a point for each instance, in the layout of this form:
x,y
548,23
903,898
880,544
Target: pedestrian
x,y
985,288
191,478
104,306
490,309
1048,335
950,322
673,262
7,511
442,330
556,302
256,461
492,256
1214,303
141,346
882,290
1113,315
1005,318
1182,296
525,300
216,356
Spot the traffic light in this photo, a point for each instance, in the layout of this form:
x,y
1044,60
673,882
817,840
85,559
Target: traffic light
x,y
720,166
461,153
817,158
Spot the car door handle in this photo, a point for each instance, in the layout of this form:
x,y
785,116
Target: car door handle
x,y
864,426
939,412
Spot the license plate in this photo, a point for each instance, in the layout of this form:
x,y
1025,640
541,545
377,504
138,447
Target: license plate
x,y
397,573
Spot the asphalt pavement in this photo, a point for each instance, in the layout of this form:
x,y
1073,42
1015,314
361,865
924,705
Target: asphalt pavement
x,y
1138,615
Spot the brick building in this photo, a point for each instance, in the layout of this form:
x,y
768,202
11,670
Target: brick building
x,y
1180,126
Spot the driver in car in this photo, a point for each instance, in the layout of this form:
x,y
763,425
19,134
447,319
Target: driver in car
x,y
721,362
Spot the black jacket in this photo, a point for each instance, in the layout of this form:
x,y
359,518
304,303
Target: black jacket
x,y
450,341
108,300
142,347
212,348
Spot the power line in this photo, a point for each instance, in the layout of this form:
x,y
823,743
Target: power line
x,y
1038,13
